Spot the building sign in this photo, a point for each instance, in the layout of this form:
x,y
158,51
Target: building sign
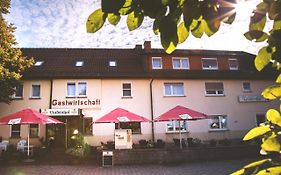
x,y
75,102
251,98
60,112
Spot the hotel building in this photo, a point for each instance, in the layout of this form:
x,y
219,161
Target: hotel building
x,y
79,85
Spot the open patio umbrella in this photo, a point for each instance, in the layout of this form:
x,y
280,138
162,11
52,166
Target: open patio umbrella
x,y
121,115
180,113
28,116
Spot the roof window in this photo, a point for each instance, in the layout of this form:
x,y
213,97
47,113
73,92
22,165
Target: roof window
x,y
112,63
79,63
38,63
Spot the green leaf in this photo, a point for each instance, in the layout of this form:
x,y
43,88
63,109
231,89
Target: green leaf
x,y
277,25
182,33
273,116
278,80
274,9
258,21
111,6
156,24
113,19
270,171
134,20
239,172
256,35
168,34
197,31
230,19
257,163
255,132
262,59
271,144
127,8
95,21
272,92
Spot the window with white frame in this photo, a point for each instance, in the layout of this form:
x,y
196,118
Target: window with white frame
x,y
38,63
173,126
18,91
247,87
156,63
214,89
218,122
180,63
15,131
112,63
260,118
127,90
173,89
35,91
76,89
33,130
209,63
82,89
233,64
79,63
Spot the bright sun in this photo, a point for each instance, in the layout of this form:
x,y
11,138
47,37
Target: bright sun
x,y
245,7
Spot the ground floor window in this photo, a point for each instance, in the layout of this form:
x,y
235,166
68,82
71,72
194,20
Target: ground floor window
x,y
88,127
15,131
34,130
134,126
172,126
218,122
260,118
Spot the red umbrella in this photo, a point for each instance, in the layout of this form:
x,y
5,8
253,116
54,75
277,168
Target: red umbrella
x,y
121,115
180,113
28,116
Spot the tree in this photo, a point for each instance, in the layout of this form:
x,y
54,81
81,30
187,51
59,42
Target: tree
x,y
174,20
12,63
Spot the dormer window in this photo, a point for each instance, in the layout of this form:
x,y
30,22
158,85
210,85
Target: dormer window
x,y
38,63
209,63
112,63
233,64
156,63
79,63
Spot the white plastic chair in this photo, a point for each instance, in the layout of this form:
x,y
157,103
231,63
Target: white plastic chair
x,y
3,145
20,145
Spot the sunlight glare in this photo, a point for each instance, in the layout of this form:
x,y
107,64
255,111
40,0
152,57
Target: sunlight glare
x,y
244,7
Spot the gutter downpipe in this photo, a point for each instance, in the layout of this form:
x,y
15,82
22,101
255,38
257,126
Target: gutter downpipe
x,y
50,103
151,109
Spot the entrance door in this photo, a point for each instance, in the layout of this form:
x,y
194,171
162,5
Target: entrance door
x,y
56,134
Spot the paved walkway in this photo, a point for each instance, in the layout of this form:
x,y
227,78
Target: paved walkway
x,y
198,168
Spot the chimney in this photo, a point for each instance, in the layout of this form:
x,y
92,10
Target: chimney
x,y
147,46
138,47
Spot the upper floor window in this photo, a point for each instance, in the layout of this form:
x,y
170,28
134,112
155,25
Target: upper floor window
x,y
34,130
218,122
209,64
233,64
35,91
112,63
127,89
79,63
214,89
81,89
38,63
18,91
156,63
15,131
180,63
173,89
173,126
247,87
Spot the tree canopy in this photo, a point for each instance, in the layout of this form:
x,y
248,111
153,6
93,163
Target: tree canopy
x,y
12,63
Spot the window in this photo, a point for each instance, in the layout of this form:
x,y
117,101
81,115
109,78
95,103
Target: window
x,y
134,126
127,89
247,87
214,89
82,89
233,64
180,63
18,91
218,122
38,63
34,130
79,63
260,118
15,131
71,89
173,126
209,63
173,89
156,63
35,91
88,127
112,63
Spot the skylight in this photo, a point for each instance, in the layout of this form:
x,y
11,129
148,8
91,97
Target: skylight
x,y
79,63
38,63
112,63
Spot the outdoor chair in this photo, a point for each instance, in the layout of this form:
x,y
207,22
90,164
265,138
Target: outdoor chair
x,y
3,145
21,145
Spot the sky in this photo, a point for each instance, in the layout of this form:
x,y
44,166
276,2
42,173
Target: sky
x,y
62,24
